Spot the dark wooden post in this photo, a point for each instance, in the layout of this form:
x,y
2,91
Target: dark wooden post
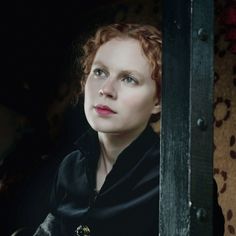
x,y
186,125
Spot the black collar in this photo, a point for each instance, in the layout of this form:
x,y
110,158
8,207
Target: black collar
x,y
89,145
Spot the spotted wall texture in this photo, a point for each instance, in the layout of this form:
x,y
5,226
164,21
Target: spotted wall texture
x,y
225,117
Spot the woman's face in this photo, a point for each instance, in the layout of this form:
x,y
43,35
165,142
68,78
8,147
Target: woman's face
x,y
120,95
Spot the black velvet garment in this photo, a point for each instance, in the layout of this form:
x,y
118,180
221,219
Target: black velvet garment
x,y
126,205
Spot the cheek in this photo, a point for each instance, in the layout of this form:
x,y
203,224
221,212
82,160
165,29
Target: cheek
x,y
87,96
140,100
92,86
88,90
138,104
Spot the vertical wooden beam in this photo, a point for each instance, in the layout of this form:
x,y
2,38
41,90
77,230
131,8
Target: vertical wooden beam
x,y
174,166
201,130
186,132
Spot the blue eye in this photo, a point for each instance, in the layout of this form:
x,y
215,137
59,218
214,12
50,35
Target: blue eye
x,y
130,80
99,72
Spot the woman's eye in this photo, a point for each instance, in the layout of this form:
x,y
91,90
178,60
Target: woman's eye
x,y
130,80
99,72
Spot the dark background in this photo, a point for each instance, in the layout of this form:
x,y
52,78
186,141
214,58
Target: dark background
x,y
37,86
37,40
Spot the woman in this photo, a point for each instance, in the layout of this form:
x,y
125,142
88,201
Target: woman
x,y
109,186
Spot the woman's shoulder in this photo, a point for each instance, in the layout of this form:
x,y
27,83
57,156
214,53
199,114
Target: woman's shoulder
x,y
82,147
71,160
70,169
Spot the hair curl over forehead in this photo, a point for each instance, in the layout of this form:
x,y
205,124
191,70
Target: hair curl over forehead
x,y
148,36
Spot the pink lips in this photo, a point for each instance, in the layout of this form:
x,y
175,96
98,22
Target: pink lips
x,y
104,110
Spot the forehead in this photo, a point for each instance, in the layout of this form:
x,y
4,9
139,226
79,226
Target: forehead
x,y
125,53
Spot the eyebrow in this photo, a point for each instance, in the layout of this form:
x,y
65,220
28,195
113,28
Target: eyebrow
x,y
99,63
133,72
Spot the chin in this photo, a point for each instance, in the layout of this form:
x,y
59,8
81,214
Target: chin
x,y
104,128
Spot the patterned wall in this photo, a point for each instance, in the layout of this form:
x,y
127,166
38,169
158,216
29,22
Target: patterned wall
x,y
225,111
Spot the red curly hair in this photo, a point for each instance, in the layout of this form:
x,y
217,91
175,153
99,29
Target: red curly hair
x,y
150,40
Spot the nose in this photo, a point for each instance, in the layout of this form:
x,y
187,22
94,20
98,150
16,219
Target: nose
x,y
108,89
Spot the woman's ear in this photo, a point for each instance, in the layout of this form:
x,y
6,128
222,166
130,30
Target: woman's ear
x,y
156,108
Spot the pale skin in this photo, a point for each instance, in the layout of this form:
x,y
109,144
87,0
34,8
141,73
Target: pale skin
x,y
120,97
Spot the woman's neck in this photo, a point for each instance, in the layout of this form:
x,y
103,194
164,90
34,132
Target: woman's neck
x,y
111,146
